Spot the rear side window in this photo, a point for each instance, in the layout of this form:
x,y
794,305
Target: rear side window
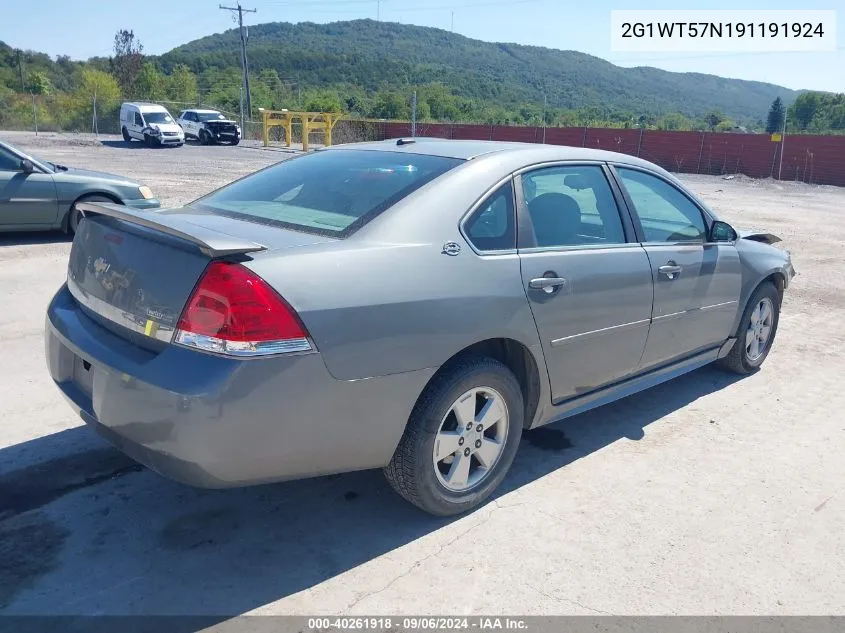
x,y
491,226
329,192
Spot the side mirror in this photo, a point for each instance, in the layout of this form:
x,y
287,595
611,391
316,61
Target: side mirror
x,y
722,232
26,166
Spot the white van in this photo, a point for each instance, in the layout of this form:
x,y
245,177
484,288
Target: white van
x,y
151,123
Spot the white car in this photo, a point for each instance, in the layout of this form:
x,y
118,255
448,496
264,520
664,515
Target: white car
x,y
209,126
151,123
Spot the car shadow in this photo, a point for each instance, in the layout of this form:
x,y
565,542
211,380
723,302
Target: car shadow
x,y
29,238
88,531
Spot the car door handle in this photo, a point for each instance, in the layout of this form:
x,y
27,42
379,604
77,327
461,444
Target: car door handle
x,y
670,270
547,284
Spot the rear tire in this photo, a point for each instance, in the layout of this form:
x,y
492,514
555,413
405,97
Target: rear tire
x,y
756,332
475,392
126,136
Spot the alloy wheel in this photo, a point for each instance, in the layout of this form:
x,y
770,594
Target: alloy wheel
x,y
471,439
759,329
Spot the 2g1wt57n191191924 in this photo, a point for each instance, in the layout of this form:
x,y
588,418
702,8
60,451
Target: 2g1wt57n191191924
x,y
727,31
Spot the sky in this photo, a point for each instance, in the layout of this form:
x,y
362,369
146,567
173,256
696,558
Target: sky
x,y
85,28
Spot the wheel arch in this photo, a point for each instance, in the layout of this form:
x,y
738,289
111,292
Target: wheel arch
x,y
776,277
84,196
518,358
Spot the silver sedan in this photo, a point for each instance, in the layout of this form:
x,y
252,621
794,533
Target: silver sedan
x,y
37,195
411,305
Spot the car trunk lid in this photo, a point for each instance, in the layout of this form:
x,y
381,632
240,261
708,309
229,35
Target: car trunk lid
x,y
133,271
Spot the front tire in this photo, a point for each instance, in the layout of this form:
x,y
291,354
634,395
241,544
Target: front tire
x,y
75,215
756,332
461,438
204,138
126,136
235,141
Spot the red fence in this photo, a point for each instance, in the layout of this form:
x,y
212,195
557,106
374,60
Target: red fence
x,y
811,159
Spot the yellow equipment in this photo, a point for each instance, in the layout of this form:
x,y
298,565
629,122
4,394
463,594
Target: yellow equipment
x,y
310,122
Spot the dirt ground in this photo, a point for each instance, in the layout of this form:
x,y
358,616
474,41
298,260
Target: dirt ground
x,y
706,495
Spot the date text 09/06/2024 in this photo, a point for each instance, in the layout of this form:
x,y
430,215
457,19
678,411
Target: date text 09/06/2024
x,y
416,624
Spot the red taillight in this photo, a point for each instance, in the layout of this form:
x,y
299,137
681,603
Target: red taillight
x,y
233,311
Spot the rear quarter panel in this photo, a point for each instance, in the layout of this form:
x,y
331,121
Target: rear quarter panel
x,y
376,309
388,300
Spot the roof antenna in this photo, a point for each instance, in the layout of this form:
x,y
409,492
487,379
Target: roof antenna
x,y
405,141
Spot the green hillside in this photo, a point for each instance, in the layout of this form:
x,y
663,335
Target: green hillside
x,y
373,55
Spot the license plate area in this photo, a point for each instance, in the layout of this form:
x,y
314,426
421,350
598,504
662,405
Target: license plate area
x,y
83,374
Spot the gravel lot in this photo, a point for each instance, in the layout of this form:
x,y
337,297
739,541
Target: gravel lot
x,y
707,495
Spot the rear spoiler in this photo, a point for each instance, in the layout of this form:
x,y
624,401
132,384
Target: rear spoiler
x,y
211,242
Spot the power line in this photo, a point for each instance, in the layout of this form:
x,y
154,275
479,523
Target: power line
x,y
244,59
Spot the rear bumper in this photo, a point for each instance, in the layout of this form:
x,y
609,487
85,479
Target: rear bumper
x,y
215,422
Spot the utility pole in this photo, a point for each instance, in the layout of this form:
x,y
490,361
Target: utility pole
x,y
782,142
244,59
378,10
452,28
414,115
95,126
34,114
544,118
20,70
243,125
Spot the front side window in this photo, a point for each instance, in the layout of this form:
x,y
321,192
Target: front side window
x,y
491,226
572,206
8,161
665,213
331,192
138,119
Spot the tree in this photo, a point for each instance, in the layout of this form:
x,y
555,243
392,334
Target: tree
x,y
390,105
674,121
725,125
150,83
127,61
323,101
713,118
103,85
181,84
774,123
39,83
804,109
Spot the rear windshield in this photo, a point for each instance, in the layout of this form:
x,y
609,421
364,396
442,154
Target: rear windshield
x,y
328,192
